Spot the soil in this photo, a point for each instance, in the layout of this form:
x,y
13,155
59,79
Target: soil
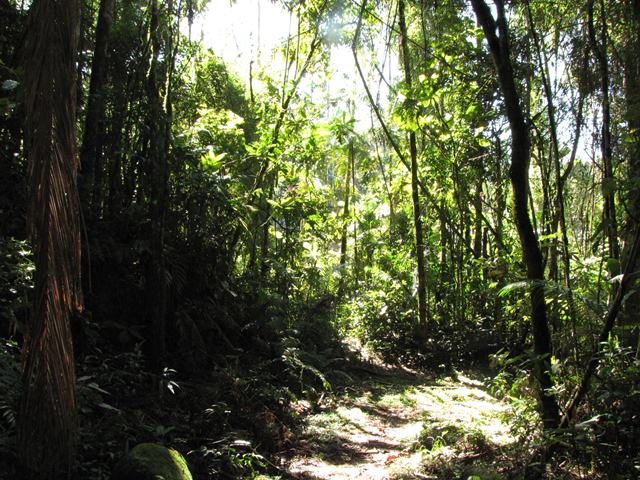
x,y
401,425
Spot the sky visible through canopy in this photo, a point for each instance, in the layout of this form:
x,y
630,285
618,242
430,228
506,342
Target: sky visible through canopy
x,y
246,31
243,31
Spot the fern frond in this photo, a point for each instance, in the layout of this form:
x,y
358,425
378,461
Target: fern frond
x,y
583,304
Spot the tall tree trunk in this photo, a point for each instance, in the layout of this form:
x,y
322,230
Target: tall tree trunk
x,y
501,206
477,207
84,45
116,154
345,219
387,186
356,253
91,151
632,94
440,293
559,216
90,180
156,284
632,97
47,411
608,186
415,192
497,36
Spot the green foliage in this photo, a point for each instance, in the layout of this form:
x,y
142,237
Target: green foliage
x,y
612,433
237,459
382,314
16,281
514,384
292,357
10,383
253,219
586,308
435,436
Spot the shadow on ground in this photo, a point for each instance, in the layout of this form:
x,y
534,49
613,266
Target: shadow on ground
x,y
399,425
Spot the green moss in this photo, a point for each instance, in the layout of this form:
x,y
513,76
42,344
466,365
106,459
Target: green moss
x,y
150,461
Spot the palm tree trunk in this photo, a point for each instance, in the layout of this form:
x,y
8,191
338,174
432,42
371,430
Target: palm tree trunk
x,y
47,411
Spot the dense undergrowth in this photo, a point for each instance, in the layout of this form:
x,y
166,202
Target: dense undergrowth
x,y
242,358
228,419
240,416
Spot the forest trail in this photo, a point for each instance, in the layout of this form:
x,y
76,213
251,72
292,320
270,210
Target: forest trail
x,y
404,427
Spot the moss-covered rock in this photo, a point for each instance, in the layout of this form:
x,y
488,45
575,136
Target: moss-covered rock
x,y
150,461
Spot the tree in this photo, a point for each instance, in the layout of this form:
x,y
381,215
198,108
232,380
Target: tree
x,y
91,152
158,142
47,421
343,130
609,217
497,35
415,194
632,100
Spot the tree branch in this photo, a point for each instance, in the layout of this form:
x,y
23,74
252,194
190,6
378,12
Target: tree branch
x,y
627,280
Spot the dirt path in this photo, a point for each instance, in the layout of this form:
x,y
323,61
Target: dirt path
x,y
404,427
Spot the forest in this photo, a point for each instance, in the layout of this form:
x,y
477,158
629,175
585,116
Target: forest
x,y
400,241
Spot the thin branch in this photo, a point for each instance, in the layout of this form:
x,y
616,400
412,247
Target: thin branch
x,y
390,137
627,280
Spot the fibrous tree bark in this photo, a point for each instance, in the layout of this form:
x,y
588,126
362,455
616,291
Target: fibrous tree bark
x,y
497,35
47,419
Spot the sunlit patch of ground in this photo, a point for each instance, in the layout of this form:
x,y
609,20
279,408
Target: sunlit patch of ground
x,y
404,428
